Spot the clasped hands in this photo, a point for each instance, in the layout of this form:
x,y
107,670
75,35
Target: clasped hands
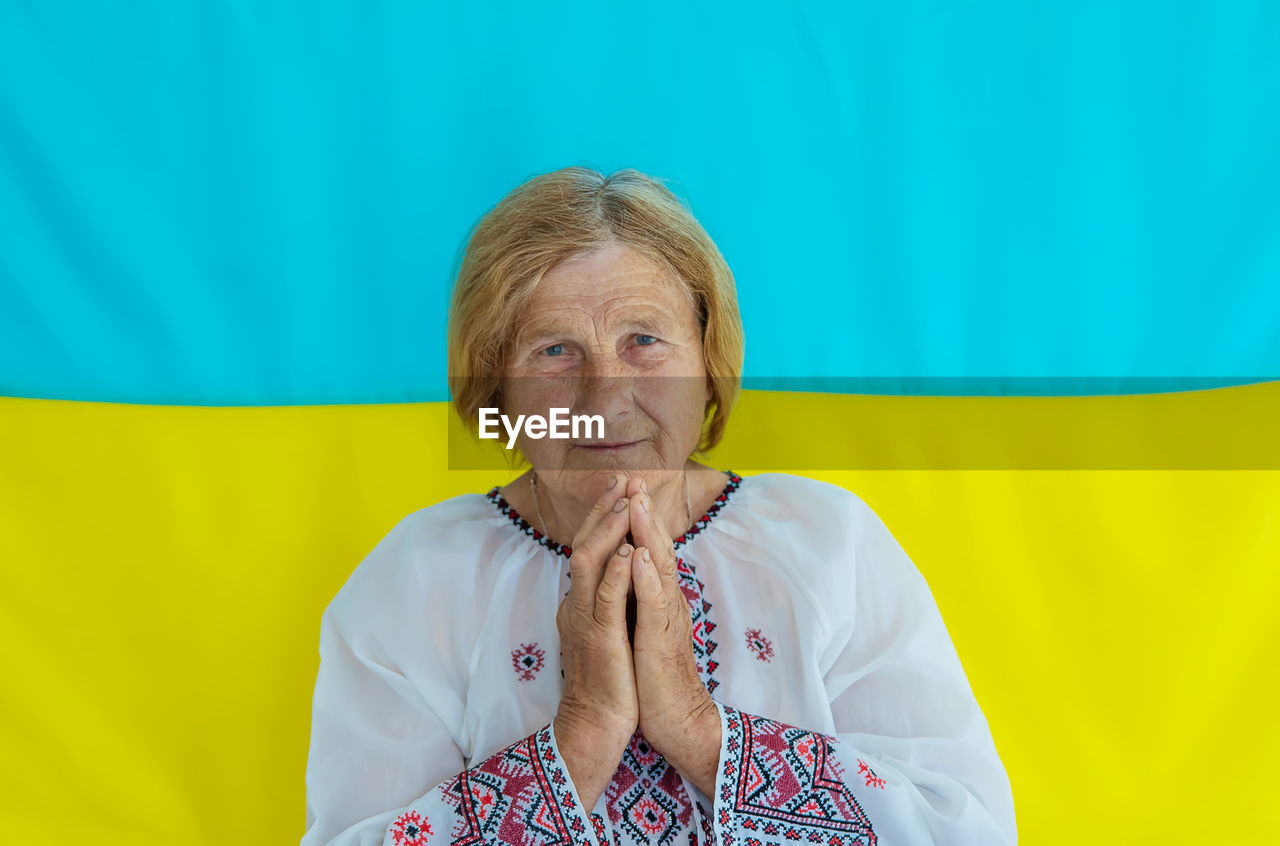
x,y
613,685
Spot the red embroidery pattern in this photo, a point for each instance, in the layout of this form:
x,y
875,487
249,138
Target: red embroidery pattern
x,y
602,836
873,780
785,783
705,520
527,660
698,525
520,795
700,615
704,817
410,827
524,525
646,798
759,644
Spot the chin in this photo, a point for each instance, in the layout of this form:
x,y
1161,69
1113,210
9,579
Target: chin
x,y
588,471
630,460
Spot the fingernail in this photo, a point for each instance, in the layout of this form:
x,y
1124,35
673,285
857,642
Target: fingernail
x,y
644,553
644,486
620,504
645,503
613,481
624,550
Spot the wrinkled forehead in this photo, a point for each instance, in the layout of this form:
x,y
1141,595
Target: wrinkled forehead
x,y
613,287
630,317
610,271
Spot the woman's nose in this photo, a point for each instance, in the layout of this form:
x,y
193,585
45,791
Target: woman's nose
x,y
601,367
604,387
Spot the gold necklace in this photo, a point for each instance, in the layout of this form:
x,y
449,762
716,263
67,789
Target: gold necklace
x,y
533,488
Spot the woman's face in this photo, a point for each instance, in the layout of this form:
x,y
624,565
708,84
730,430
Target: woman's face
x,y
609,333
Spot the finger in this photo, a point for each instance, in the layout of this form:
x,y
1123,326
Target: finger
x,y
605,527
616,490
649,533
590,560
651,600
615,584
636,486
644,524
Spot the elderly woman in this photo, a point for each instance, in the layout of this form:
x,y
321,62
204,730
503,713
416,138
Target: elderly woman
x,y
624,645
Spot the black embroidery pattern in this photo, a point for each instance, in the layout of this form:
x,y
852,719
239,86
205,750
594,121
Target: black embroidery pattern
x,y
700,615
722,499
527,661
520,795
759,645
780,783
646,798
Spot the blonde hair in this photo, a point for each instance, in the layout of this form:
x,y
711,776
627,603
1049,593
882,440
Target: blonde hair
x,y
554,216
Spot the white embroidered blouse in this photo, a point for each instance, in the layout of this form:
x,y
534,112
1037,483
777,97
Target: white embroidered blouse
x,y
846,716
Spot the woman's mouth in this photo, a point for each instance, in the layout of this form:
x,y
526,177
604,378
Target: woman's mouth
x,y
615,445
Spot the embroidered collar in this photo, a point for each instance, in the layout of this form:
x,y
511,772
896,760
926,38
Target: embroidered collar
x,y
699,525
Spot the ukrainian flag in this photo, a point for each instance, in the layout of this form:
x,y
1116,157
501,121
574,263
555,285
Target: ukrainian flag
x,y
1009,272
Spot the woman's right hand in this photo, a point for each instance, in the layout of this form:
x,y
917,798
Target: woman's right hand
x,y
598,710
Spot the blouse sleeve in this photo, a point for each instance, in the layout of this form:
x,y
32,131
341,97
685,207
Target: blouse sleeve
x,y
383,766
912,760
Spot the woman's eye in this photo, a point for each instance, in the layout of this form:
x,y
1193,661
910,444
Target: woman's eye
x,y
554,349
646,340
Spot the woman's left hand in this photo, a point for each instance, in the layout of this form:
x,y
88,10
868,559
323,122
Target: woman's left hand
x,y
677,713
